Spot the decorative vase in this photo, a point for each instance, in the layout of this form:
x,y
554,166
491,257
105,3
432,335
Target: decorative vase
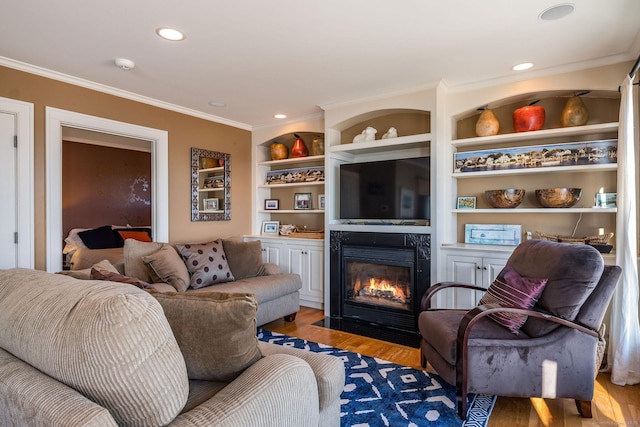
x,y
299,149
208,163
575,113
317,147
487,124
278,151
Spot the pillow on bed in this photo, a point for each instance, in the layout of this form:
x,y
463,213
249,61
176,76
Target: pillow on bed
x,y
99,238
142,234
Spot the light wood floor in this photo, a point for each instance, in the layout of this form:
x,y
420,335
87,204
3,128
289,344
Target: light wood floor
x,y
612,405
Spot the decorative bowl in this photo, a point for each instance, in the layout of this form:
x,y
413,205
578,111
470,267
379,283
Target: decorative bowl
x,y
507,198
558,197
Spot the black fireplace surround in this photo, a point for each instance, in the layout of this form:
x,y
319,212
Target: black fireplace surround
x,y
402,251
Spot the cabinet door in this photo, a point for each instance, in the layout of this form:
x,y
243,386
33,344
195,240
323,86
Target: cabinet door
x,y
491,267
308,263
272,252
467,270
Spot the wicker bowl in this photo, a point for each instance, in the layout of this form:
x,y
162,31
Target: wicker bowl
x,y
558,197
507,198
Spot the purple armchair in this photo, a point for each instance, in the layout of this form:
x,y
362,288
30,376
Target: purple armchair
x,y
555,354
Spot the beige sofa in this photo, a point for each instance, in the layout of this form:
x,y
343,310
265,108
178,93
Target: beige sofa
x,y
277,293
98,353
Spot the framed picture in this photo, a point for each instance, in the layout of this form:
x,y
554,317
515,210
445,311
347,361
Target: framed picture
x,y
466,202
271,204
302,201
270,227
321,201
606,200
210,204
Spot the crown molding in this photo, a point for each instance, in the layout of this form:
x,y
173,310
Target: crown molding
x,y
54,75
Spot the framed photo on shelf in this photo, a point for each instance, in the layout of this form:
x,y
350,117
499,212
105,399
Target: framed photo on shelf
x,y
321,201
302,201
270,227
466,202
271,204
210,204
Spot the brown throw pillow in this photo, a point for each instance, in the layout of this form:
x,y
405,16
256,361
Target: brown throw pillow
x,y
117,277
165,265
206,262
134,250
216,332
244,258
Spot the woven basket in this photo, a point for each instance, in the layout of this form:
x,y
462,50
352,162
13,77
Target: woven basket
x,y
588,240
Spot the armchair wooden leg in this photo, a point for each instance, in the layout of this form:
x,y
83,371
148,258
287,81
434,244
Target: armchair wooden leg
x,y
461,400
584,408
290,317
423,360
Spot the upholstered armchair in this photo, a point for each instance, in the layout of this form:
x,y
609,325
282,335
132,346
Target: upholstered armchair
x,y
535,333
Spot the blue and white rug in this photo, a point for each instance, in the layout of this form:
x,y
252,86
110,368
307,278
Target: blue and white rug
x,y
381,393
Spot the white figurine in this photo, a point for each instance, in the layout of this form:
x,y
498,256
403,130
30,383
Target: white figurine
x,y
391,133
369,134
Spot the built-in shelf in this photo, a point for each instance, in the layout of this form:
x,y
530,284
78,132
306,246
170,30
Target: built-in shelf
x,y
535,135
296,160
537,210
206,190
216,169
550,169
295,184
383,145
292,211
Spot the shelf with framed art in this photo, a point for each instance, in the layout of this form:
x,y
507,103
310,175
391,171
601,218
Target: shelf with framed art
x,y
581,156
210,185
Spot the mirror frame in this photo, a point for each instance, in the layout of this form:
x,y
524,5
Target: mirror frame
x,y
196,215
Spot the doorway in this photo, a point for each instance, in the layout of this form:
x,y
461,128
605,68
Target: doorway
x,y
56,121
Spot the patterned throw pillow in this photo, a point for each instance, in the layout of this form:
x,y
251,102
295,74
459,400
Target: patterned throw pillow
x,y
512,290
206,262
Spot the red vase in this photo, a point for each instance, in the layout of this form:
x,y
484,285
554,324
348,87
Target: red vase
x,y
299,149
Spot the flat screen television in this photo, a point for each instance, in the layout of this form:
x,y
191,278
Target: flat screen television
x,y
386,190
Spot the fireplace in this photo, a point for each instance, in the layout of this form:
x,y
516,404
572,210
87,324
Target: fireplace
x,y
379,278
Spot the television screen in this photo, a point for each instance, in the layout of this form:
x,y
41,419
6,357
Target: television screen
x,y
387,189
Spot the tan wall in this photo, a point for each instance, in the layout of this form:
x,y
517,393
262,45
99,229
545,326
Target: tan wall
x,y
184,132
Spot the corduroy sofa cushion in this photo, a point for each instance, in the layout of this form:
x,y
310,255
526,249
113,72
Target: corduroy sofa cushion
x,y
215,331
109,341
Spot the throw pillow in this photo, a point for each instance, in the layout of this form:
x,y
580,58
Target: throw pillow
x,y
206,262
141,236
165,265
99,238
216,332
116,277
244,258
134,250
512,290
85,274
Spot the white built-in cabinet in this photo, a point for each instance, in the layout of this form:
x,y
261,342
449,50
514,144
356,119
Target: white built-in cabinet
x,y
298,256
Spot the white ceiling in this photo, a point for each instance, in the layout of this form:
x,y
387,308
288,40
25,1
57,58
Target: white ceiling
x,y
262,57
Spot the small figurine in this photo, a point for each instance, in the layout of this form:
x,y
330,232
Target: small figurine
x,y
391,133
369,134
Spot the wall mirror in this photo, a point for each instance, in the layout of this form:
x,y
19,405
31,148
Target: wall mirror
x,y
210,185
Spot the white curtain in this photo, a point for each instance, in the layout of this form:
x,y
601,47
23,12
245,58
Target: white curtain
x,y
624,346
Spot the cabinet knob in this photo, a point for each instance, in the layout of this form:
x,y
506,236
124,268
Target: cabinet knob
x,y
477,267
484,268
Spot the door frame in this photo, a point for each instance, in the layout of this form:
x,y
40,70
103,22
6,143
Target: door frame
x,y
159,140
23,112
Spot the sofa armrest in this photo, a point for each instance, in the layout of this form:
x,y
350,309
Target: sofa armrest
x,y
278,390
30,397
425,303
270,269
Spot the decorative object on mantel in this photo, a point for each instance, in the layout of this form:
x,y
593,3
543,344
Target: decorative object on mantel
x,y
558,197
317,147
487,124
493,234
294,176
299,149
575,113
278,151
369,134
505,199
528,118
391,133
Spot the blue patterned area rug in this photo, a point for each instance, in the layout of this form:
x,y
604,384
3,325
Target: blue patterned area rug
x,y
381,393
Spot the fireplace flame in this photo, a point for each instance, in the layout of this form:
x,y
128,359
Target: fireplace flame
x,y
381,288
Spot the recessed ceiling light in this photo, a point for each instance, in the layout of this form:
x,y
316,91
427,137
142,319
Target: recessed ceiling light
x,y
523,66
217,104
170,34
280,116
558,11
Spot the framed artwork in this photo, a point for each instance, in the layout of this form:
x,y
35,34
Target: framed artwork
x,y
302,201
321,201
606,200
210,204
271,204
466,202
270,227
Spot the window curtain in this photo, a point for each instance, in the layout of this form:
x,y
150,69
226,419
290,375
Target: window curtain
x,y
624,346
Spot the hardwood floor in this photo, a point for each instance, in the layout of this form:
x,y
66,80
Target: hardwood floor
x,y
612,405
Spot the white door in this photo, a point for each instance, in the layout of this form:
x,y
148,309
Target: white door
x,y
8,222
16,191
